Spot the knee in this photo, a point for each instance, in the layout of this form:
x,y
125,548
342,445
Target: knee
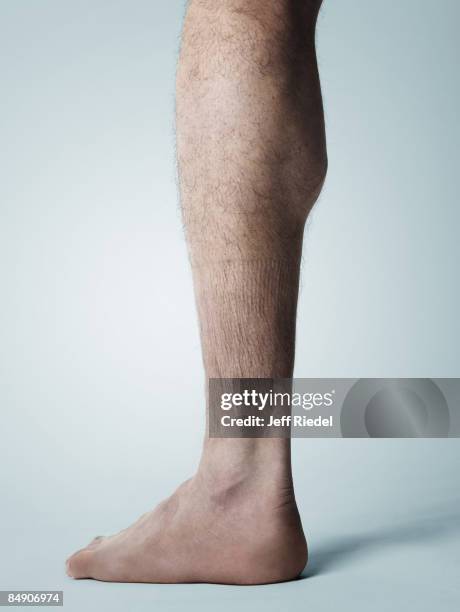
x,y
263,8
261,33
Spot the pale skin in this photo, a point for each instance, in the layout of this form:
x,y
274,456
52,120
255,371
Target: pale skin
x,y
252,161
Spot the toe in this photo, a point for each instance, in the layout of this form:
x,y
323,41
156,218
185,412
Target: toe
x,y
95,541
79,565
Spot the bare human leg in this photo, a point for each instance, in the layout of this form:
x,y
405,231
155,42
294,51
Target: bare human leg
x,y
252,161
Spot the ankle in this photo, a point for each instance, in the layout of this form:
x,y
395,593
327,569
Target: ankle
x,y
246,465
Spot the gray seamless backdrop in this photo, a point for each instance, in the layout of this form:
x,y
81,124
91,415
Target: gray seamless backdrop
x,y
101,383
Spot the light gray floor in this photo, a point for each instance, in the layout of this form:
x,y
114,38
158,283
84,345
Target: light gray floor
x,y
383,521
101,384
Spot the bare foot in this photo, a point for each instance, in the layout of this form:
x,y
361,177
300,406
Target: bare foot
x,y
231,530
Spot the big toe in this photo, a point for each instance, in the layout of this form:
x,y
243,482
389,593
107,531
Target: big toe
x,y
79,565
96,541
